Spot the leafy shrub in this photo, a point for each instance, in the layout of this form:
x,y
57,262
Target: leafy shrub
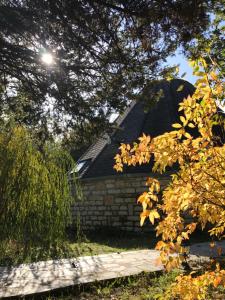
x,y
196,189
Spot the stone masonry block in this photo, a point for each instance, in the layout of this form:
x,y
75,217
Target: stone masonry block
x,y
110,185
97,202
122,213
128,190
117,224
119,200
108,213
96,213
130,209
101,208
108,199
99,185
123,207
101,218
137,208
110,181
132,201
132,218
141,189
114,191
99,192
96,223
114,207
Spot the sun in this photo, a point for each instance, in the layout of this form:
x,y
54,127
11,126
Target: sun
x,y
47,58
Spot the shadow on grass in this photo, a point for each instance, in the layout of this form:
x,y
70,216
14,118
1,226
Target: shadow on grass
x,y
13,253
123,240
108,239
103,240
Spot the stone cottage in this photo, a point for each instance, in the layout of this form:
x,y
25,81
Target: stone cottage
x,y
110,198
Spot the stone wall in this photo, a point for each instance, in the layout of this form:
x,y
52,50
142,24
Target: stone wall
x,y
112,202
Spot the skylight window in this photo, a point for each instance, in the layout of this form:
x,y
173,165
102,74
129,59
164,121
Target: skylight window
x,y
80,165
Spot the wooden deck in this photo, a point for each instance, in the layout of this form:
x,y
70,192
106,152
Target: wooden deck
x,y
45,276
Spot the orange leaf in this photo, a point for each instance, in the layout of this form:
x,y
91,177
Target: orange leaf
x,y
160,245
217,281
143,216
212,244
219,251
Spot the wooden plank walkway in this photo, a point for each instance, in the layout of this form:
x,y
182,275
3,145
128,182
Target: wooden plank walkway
x,y
45,276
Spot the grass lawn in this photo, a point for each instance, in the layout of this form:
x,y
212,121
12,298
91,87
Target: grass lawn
x,y
138,287
98,243
92,243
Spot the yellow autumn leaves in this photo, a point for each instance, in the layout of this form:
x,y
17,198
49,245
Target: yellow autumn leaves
x,y
146,200
197,189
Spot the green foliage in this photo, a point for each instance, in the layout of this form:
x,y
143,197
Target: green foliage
x,y
35,197
77,141
210,46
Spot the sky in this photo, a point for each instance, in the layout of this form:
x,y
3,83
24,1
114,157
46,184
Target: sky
x,y
184,66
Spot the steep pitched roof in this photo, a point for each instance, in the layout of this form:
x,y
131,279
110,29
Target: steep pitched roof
x,y
98,160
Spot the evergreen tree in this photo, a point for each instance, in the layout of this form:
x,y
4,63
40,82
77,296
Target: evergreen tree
x,y
104,53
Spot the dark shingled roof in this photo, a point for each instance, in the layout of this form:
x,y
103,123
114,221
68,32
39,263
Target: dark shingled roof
x,y
98,160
